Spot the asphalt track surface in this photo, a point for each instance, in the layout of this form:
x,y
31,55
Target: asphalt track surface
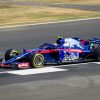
x,y
68,82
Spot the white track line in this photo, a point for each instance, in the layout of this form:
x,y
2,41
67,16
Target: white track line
x,y
3,72
52,22
41,70
36,71
73,65
96,62
45,69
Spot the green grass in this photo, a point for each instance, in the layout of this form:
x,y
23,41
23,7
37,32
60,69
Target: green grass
x,y
66,1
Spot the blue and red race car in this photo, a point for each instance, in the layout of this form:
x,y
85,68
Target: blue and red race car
x,y
65,50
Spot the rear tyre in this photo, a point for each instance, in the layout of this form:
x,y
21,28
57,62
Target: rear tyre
x,y
10,53
97,54
36,60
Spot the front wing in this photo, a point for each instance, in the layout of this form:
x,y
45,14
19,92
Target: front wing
x,y
16,65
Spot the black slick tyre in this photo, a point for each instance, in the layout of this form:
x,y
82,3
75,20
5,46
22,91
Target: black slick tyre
x,y
97,54
10,53
36,60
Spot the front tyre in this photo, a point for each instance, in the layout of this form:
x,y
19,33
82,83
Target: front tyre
x,y
10,53
36,60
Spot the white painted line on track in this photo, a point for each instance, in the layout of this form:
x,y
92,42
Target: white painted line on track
x,y
36,71
3,72
45,69
52,22
41,70
72,65
96,62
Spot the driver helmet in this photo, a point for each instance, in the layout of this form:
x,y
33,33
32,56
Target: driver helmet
x,y
60,40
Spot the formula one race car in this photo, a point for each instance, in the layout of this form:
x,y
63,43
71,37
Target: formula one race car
x,y
65,50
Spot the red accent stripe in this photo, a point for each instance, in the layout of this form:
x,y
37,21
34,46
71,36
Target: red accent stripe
x,y
4,65
55,50
74,50
47,51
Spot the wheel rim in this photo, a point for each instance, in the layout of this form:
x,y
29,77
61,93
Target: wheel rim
x,y
39,60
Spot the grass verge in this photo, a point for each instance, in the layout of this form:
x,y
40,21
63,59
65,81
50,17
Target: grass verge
x,y
65,1
13,15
